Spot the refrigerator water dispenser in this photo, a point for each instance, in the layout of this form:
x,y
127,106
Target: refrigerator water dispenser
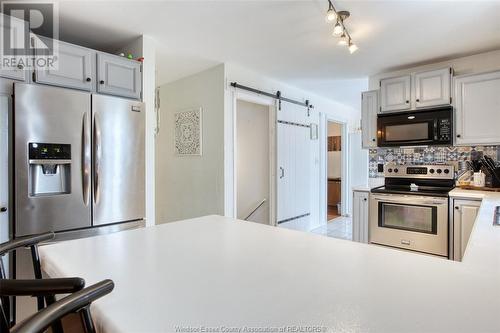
x,y
49,169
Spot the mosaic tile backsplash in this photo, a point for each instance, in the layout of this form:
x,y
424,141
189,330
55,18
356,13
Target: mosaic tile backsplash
x,y
428,155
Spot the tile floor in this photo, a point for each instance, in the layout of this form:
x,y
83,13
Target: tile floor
x,y
340,227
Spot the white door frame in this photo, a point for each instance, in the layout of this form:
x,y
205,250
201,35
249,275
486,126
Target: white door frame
x,y
345,166
271,104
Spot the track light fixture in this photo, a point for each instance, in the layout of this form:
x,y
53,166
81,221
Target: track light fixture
x,y
339,29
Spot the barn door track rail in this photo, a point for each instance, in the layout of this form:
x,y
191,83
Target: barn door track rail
x,y
277,96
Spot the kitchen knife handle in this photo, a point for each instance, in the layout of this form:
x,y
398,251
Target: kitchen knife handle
x,y
97,159
85,159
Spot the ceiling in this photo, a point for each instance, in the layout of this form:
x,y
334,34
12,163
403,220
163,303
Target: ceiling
x,y
289,40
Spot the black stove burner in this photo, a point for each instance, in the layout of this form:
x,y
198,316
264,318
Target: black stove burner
x,y
436,191
416,186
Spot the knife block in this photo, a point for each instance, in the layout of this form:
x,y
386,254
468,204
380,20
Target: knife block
x,y
492,180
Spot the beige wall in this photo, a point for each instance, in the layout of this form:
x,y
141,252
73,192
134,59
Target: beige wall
x,y
252,160
191,186
483,62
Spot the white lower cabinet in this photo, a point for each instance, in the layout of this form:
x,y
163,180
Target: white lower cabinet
x,y
360,211
464,213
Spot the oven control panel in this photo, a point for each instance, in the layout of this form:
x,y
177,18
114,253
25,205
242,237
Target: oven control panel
x,y
420,171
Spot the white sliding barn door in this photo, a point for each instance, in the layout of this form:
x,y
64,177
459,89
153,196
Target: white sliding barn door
x,y
296,167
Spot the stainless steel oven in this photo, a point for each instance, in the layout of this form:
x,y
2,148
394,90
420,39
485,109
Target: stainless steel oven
x,y
432,127
411,210
412,222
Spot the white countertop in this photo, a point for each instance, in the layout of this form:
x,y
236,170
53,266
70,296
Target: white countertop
x,y
215,271
361,188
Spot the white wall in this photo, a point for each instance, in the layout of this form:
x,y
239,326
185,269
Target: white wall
x,y
191,186
323,108
253,160
483,62
145,46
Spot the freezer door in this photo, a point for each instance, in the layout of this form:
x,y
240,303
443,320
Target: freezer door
x,y
51,194
118,160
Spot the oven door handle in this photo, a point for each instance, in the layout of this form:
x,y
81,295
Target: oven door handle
x,y
413,201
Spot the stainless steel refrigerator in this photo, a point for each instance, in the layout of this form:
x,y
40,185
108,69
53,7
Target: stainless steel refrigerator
x,y
78,159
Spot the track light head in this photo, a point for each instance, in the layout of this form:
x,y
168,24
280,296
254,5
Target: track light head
x,y
338,29
344,40
331,15
352,47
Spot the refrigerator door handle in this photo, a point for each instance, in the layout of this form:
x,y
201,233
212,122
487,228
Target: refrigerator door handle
x,y
97,158
86,159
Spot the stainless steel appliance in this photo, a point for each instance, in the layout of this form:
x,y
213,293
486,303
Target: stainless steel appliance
x,y
411,210
420,127
79,165
79,159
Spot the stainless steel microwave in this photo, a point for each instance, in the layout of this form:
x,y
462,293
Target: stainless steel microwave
x,y
416,128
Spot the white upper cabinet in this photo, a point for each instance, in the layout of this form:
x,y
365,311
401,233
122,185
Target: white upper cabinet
x,y
395,94
416,91
17,30
433,88
118,76
369,109
477,99
74,68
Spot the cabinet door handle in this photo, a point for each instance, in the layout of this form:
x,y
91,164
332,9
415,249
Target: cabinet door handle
x,y
364,199
3,209
374,140
88,79
418,100
407,102
101,82
457,208
282,171
458,136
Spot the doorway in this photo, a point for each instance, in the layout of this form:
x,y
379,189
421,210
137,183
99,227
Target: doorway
x,y
334,170
339,225
253,162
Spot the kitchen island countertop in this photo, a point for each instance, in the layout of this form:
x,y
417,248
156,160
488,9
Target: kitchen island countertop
x,y
216,272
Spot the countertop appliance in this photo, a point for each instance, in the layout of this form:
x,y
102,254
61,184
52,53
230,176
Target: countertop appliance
x,y
411,210
419,127
79,159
